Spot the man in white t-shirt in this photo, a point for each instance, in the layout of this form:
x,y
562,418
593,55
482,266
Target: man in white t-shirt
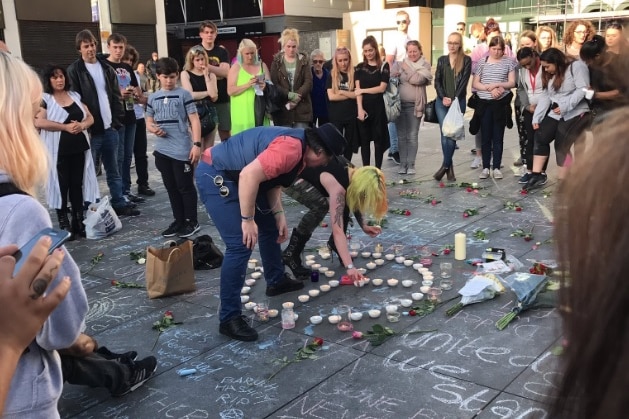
x,y
396,51
97,84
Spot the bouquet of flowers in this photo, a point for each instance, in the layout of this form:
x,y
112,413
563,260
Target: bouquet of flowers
x,y
526,287
476,290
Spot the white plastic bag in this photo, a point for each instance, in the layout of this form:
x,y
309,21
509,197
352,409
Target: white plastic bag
x,y
101,220
453,123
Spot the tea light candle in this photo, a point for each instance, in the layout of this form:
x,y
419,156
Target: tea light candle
x,y
393,317
460,242
379,248
252,263
310,262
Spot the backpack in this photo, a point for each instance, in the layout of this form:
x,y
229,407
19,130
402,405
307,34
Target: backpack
x,y
392,101
205,254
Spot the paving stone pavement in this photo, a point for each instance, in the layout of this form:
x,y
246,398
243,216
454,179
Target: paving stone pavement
x,y
465,368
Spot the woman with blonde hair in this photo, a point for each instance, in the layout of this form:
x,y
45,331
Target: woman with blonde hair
x,y
38,380
202,84
245,80
338,188
290,72
342,99
577,32
415,75
451,79
546,38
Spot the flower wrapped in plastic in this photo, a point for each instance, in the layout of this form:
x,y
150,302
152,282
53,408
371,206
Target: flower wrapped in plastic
x,y
526,287
478,289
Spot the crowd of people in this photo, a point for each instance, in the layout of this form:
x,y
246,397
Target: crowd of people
x,y
99,110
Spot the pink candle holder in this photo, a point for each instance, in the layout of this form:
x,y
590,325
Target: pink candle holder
x,y
434,294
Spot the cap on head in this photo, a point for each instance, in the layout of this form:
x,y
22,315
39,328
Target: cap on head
x,y
331,139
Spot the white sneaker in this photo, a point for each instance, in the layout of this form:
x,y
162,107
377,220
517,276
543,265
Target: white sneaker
x,y
497,174
411,171
484,174
476,163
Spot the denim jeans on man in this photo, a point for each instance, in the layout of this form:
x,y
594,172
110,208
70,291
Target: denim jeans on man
x,y
105,145
225,213
393,148
126,139
448,145
407,132
493,132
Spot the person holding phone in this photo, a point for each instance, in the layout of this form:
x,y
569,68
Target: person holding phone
x,y
22,308
37,383
245,81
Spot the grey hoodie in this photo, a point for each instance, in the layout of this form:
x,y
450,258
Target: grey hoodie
x,y
38,381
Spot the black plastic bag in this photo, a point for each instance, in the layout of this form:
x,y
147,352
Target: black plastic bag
x,y
205,254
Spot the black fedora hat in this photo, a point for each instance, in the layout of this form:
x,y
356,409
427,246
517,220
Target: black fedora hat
x,y
331,139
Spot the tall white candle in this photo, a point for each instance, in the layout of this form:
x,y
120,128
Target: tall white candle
x,y
459,246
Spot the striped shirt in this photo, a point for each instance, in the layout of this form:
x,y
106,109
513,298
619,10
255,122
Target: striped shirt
x,y
490,73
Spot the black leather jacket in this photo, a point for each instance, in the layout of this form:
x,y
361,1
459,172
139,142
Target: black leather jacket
x,y
461,80
82,82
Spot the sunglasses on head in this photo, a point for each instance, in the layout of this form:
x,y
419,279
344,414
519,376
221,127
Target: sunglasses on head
x,y
399,22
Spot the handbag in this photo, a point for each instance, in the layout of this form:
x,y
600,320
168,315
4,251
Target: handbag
x,y
169,270
472,102
205,254
430,115
207,117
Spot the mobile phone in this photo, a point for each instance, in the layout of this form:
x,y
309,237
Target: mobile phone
x,y
58,237
260,77
555,105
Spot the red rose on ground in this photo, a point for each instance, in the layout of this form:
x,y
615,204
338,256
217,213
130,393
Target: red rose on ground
x,y
407,213
446,251
442,185
468,189
168,314
523,192
412,313
318,341
518,209
465,215
434,202
114,282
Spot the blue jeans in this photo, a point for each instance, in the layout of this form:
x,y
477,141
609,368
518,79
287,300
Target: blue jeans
x,y
126,139
448,145
493,132
105,145
393,148
408,130
225,213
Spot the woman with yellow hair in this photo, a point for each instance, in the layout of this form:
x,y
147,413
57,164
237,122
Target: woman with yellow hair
x,y
24,162
338,188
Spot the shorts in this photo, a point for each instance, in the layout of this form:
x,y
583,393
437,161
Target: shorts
x,y
224,116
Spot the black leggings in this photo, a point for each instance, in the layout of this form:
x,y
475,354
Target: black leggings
x,y
70,173
565,133
178,178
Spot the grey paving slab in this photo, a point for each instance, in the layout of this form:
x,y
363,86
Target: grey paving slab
x,y
464,369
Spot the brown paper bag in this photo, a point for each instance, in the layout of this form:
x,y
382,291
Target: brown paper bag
x,y
169,270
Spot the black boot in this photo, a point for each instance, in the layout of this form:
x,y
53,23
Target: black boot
x,y
292,255
439,174
64,222
78,228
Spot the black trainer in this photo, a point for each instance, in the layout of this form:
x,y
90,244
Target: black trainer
x,y
188,229
287,284
544,179
140,372
535,181
145,190
525,178
125,358
238,328
128,210
172,229
396,157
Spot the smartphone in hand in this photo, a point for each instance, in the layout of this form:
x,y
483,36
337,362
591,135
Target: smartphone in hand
x,y
58,237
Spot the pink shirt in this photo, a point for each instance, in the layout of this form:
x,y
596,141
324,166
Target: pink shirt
x,y
281,156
